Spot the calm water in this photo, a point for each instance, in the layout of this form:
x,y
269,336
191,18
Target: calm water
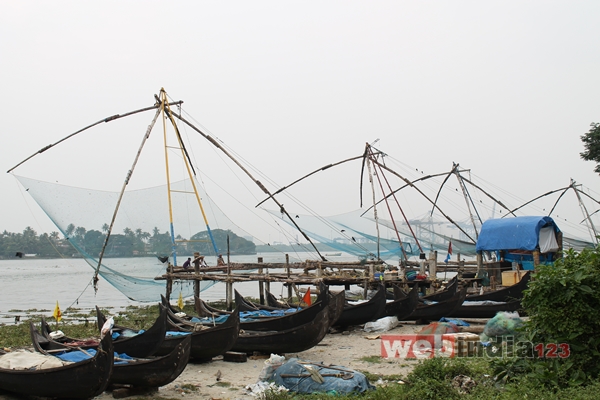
x,y
34,286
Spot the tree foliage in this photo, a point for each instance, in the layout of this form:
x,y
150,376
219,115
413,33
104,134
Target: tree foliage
x,y
591,142
130,243
563,302
224,239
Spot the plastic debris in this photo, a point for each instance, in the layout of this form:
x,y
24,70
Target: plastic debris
x,y
381,325
260,388
271,364
503,324
107,327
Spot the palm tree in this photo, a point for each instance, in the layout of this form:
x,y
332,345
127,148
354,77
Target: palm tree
x,y
80,232
54,236
70,229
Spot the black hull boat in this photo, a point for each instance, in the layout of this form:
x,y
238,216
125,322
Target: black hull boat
x,y
141,344
433,312
441,295
467,310
273,302
81,380
247,305
288,321
505,294
337,301
364,312
263,323
207,342
155,371
403,307
292,340
138,372
446,293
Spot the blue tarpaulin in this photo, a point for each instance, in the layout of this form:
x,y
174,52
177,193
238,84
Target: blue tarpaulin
x,y
518,233
296,376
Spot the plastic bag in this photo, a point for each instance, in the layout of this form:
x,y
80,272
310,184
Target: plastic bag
x,y
271,364
503,324
382,325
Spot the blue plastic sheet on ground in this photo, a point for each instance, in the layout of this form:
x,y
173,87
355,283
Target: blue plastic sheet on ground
x,y
457,322
295,375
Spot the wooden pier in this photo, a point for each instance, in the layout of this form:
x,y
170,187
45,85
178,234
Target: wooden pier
x,y
310,272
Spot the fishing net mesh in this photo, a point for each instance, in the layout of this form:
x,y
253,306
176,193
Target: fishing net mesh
x,y
84,215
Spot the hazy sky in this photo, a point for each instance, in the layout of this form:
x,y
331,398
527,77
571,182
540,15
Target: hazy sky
x,y
505,88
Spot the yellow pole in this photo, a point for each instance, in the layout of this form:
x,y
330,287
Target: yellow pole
x,y
187,166
163,99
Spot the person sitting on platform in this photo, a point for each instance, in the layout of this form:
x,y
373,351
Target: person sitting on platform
x,y
220,260
199,260
187,263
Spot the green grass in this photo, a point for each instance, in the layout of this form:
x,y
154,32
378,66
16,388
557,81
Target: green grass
x,y
429,379
371,359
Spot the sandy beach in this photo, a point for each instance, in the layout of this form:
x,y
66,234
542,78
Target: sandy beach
x,y
349,349
346,349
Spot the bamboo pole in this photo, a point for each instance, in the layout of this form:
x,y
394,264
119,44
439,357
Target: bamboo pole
x,y
197,282
261,288
229,294
169,282
289,288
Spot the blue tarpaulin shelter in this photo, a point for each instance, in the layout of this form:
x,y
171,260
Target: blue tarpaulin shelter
x,y
518,233
518,237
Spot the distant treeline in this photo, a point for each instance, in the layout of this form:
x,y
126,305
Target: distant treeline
x,y
130,243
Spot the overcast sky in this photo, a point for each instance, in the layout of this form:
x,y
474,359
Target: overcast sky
x,y
505,88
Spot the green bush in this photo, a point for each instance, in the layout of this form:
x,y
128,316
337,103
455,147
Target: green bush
x,y
563,302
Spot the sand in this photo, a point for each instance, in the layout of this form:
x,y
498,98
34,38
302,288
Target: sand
x,y
349,349
346,349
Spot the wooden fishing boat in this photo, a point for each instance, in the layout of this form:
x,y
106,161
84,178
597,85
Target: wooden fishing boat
x,y
262,323
247,305
273,302
505,294
292,340
288,321
207,342
446,293
441,295
60,343
81,380
429,312
402,308
466,310
139,372
337,301
364,312
134,343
